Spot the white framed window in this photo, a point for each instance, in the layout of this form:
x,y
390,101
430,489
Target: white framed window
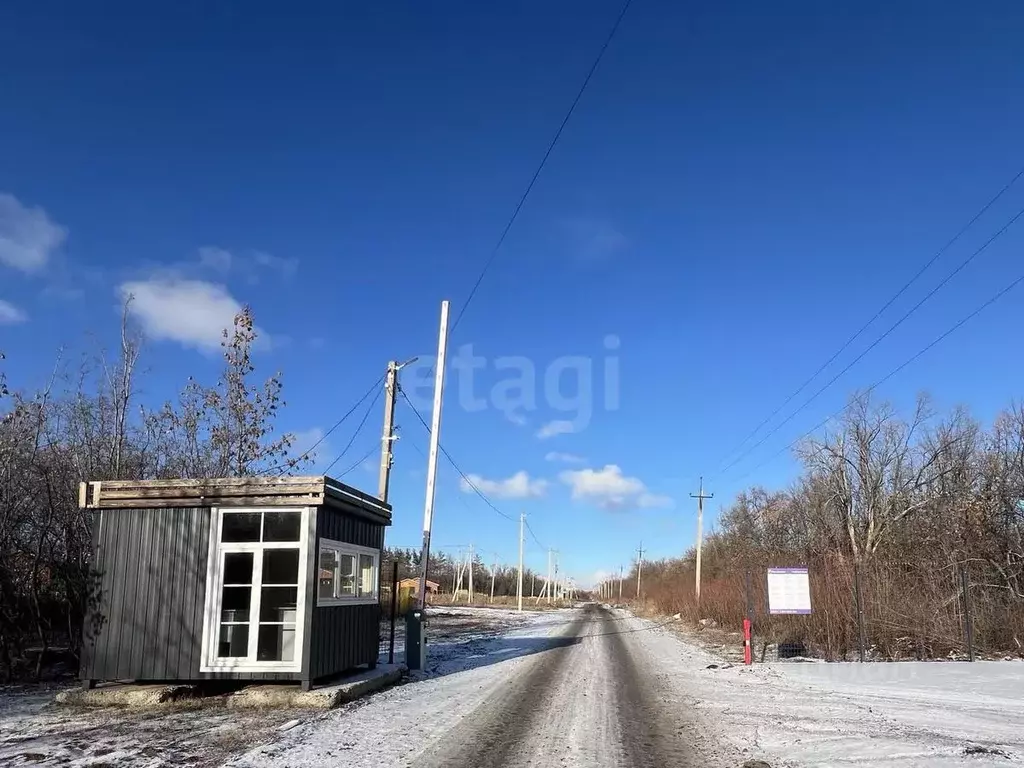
x,y
347,574
255,589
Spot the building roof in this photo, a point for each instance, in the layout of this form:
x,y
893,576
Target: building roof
x,y
305,491
416,582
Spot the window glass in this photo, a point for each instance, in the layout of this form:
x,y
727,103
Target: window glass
x,y
281,526
328,573
279,604
275,642
240,526
280,566
347,576
233,640
238,567
234,603
367,576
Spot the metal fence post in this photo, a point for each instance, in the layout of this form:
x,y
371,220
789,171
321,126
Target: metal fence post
x,y
860,608
965,580
748,624
394,612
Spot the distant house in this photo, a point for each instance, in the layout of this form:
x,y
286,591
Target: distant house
x,y
413,587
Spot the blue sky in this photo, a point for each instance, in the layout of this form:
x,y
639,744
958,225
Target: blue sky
x,y
741,187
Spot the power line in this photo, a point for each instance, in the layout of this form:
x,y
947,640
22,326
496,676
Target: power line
x,y
451,461
373,449
543,162
891,373
291,463
877,341
879,313
355,434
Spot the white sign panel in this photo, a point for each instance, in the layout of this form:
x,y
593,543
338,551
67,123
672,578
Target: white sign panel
x,y
789,590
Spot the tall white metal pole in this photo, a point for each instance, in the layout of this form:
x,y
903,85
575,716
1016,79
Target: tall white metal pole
x,y
435,437
472,567
519,588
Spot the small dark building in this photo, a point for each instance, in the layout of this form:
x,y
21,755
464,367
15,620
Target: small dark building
x,y
255,578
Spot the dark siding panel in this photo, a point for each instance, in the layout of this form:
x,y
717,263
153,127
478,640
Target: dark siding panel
x,y
332,524
151,564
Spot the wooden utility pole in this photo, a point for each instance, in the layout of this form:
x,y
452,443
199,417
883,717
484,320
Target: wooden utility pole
x,y
435,437
639,568
519,587
386,453
700,496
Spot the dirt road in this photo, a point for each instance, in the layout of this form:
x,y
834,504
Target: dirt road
x,y
578,690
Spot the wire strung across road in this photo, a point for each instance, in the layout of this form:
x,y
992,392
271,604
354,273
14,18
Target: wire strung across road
x,y
291,463
935,257
355,434
543,162
963,321
877,341
451,461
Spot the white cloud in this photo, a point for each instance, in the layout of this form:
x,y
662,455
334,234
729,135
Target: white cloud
x,y
519,486
10,314
217,259
564,458
246,263
608,488
516,418
193,313
28,236
557,427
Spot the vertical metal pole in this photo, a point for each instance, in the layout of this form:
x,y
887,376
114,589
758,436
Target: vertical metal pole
x,y
435,436
620,583
472,567
547,584
519,586
494,571
394,612
965,580
860,609
387,440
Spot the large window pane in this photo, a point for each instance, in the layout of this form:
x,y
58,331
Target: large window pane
x,y
233,641
281,526
279,604
238,567
240,526
280,566
276,642
367,576
234,603
328,573
347,576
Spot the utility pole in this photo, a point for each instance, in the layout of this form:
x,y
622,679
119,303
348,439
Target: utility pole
x,y
700,496
494,570
519,587
472,563
533,582
386,454
547,584
620,583
435,436
639,568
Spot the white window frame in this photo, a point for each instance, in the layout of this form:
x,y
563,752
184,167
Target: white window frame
x,y
215,582
343,548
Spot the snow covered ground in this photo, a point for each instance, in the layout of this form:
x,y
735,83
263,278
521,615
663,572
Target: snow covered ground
x,y
889,715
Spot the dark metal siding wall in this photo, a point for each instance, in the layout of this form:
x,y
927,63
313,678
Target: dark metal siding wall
x,y
147,620
344,636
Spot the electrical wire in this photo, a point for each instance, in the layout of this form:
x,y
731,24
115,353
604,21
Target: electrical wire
x,y
291,463
889,375
935,257
373,449
877,341
543,162
451,461
355,434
